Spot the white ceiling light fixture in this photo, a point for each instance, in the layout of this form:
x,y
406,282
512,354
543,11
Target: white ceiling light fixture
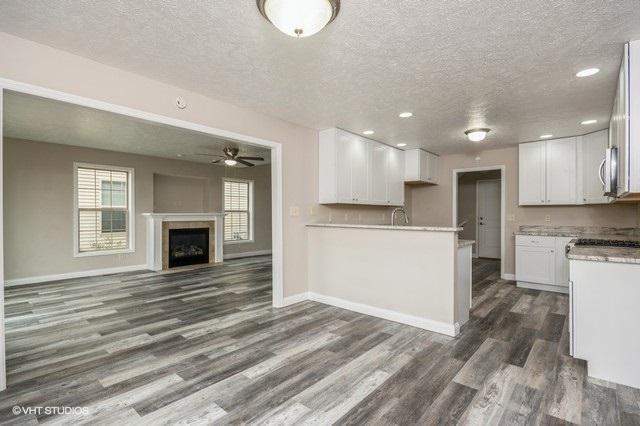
x,y
586,122
405,114
400,145
299,18
545,136
230,162
368,132
477,135
588,72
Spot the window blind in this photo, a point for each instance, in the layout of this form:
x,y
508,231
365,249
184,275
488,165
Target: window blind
x,y
103,209
237,205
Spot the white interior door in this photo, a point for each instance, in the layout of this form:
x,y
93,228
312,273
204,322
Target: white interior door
x,y
488,215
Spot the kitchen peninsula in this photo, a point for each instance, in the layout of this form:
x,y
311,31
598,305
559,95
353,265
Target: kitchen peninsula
x,y
416,275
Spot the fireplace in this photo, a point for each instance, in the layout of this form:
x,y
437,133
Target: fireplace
x,y
188,246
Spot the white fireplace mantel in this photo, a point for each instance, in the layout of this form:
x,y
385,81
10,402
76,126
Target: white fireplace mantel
x,y
154,233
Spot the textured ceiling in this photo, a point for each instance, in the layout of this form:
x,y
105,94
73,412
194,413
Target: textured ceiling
x,y
504,64
32,118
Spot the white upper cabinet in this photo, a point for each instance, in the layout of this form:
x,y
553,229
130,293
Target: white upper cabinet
x,y
396,177
593,147
562,172
420,166
358,154
357,170
532,173
380,174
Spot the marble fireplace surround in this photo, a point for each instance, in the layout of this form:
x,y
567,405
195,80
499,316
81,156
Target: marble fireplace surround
x,y
158,225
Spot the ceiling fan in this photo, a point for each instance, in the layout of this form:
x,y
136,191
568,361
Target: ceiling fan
x,y
231,157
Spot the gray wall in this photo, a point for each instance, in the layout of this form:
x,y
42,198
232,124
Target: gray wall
x,y
38,208
467,201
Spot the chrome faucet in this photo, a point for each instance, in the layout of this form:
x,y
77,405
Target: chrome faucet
x,y
393,216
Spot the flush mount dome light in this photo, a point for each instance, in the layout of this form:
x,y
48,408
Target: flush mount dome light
x,y
477,135
230,162
299,18
588,72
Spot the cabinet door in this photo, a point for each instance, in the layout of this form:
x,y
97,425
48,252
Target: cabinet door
x,y
380,173
359,157
562,171
562,263
594,146
343,166
396,177
432,167
531,173
535,264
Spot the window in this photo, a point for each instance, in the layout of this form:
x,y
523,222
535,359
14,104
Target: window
x,y
238,208
103,209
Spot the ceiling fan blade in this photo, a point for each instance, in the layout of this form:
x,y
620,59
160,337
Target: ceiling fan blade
x,y
217,161
250,158
246,163
210,155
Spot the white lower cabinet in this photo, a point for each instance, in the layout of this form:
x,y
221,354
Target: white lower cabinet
x,y
541,263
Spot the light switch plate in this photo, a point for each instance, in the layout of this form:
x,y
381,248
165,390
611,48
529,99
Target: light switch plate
x,y
511,218
294,211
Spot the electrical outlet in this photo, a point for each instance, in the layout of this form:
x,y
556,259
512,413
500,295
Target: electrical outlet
x,y
359,217
311,211
511,218
547,218
330,218
346,217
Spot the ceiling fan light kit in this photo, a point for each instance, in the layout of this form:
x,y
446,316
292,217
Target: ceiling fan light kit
x,y
299,18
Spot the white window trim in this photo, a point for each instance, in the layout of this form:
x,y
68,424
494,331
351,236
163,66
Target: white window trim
x,y
131,224
251,210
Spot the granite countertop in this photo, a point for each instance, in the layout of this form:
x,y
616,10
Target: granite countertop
x,y
576,231
389,227
592,253
603,253
464,243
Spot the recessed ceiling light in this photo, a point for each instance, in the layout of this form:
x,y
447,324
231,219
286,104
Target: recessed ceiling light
x,y
545,136
179,155
589,122
401,145
299,18
405,114
368,132
588,72
477,135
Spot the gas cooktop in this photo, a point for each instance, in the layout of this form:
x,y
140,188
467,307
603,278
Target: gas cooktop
x,y
607,243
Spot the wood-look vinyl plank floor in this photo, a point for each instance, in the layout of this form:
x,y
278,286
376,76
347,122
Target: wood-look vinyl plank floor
x,y
205,346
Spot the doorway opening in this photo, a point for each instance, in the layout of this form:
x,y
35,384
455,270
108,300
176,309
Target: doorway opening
x,y
479,209
179,169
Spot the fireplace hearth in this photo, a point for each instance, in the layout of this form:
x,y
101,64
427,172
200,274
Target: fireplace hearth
x,y
188,246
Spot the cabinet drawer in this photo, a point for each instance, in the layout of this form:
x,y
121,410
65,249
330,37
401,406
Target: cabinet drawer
x,y
533,241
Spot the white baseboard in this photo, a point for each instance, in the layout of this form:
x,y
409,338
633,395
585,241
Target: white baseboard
x,y
69,275
296,298
247,254
509,277
544,287
420,322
